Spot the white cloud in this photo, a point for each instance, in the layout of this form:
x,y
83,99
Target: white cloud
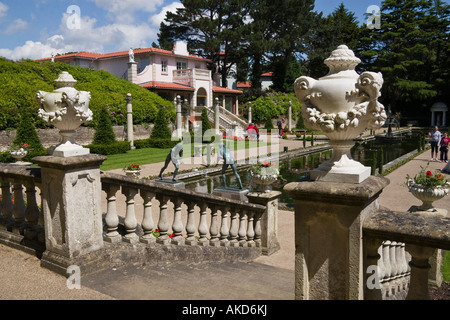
x,y
30,50
122,11
15,26
3,9
158,18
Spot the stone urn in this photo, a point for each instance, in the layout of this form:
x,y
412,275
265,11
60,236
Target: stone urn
x,y
18,154
342,104
428,196
261,179
133,173
65,108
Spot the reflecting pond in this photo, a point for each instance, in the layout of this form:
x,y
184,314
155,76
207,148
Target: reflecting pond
x,y
370,153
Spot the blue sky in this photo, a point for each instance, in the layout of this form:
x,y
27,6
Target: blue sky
x,y
37,28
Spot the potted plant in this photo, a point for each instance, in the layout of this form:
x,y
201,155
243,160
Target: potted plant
x,y
428,187
19,151
132,170
264,174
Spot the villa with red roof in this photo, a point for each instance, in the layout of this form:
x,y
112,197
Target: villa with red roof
x,y
167,73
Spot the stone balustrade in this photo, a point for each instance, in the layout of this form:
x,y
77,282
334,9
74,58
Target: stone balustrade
x,y
210,220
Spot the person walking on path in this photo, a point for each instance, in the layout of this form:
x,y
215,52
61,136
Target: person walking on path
x,y
280,127
435,141
444,147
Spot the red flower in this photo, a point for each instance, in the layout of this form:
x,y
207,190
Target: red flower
x,y
440,177
429,174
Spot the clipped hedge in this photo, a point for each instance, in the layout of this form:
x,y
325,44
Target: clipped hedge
x,y
155,143
107,149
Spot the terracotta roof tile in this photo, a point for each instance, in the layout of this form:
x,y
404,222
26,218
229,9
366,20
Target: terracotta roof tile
x,y
225,90
166,85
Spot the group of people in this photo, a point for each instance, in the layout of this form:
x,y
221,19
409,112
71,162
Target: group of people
x,y
439,145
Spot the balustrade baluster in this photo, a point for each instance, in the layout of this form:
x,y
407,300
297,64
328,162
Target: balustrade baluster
x,y
7,205
32,212
224,229
372,271
250,230
163,222
190,225
214,227
386,260
202,226
242,230
111,218
19,207
147,219
393,259
418,285
177,225
130,218
234,228
257,228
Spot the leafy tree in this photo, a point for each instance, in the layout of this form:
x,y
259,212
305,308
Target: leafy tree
x,y
211,28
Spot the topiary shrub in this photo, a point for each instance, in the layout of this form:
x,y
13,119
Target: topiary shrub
x,y
26,133
104,133
161,129
111,148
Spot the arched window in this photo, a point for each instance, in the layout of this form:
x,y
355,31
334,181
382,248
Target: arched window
x,y
201,97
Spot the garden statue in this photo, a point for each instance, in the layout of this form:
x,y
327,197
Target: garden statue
x,y
342,105
228,160
131,56
175,155
65,108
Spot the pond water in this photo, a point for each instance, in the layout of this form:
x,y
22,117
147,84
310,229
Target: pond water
x,y
369,153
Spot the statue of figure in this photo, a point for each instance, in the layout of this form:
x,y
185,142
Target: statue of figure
x,y
175,155
228,160
53,57
131,55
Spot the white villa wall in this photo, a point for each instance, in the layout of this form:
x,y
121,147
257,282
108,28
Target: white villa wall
x,y
116,66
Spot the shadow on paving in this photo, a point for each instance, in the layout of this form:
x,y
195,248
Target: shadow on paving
x,y
203,281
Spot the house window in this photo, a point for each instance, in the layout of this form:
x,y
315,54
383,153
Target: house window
x,y
163,66
181,65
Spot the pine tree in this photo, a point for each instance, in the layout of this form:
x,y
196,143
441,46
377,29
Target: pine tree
x,y
104,133
409,49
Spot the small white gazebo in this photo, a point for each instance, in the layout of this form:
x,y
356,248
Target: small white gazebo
x,y
439,114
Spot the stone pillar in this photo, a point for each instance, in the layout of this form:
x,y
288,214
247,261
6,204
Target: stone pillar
x,y
132,72
249,112
178,116
269,220
290,117
130,133
216,116
71,206
328,236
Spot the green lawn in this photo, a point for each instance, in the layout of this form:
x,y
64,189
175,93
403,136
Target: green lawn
x,y
152,155
137,156
446,267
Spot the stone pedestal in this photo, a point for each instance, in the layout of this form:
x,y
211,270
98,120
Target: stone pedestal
x,y
328,236
71,206
269,220
231,193
132,72
176,183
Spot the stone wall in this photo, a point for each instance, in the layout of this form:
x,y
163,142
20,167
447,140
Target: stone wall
x,y
83,136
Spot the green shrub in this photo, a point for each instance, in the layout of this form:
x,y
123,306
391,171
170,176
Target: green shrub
x,y
5,157
161,129
104,133
26,133
107,149
155,143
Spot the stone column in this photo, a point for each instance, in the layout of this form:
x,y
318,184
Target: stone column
x,y
132,72
130,134
290,116
269,220
216,117
249,112
71,205
328,236
178,116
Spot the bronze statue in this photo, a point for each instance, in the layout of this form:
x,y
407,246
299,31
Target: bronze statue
x,y
175,155
228,160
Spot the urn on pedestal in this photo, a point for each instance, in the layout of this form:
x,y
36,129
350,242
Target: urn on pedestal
x,y
342,105
65,108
